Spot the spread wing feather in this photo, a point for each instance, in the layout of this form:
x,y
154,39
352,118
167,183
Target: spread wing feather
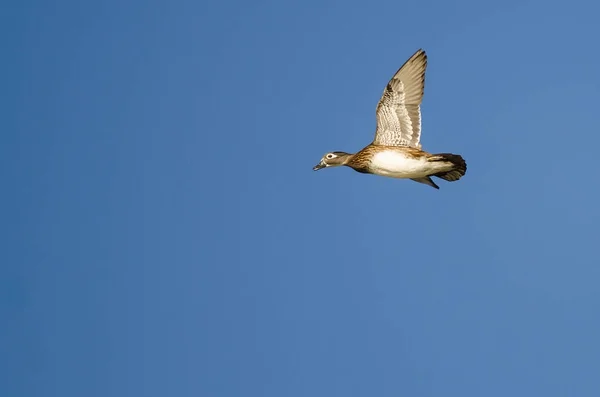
x,y
399,109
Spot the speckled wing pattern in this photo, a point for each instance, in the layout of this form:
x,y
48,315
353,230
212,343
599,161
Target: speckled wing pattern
x,y
399,109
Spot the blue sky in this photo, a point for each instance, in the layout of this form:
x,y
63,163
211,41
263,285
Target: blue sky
x,y
164,234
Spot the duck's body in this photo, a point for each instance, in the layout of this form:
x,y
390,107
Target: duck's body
x,y
401,164
397,162
396,151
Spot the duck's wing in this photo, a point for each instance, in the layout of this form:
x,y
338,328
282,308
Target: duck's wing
x,y
399,109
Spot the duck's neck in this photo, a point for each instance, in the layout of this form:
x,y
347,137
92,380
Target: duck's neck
x,y
346,158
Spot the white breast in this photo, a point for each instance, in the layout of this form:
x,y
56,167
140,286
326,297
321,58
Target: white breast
x,y
396,164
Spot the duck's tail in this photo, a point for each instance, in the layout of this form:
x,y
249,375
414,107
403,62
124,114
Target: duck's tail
x,y
459,166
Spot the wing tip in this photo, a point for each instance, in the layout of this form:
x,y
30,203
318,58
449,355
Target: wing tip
x,y
420,56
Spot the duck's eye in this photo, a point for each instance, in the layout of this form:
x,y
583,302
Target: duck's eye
x,y
330,156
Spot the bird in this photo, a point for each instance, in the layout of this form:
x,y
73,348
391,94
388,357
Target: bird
x,y
395,151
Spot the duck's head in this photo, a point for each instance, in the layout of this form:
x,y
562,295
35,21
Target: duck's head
x,y
332,159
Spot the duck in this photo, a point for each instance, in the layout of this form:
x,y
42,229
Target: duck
x,y
396,152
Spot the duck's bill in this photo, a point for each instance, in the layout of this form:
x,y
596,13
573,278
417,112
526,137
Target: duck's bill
x,y
319,166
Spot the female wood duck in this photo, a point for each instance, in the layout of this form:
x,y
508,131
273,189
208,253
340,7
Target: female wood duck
x,y
396,152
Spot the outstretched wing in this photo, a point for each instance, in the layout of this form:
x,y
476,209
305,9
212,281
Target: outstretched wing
x,y
399,109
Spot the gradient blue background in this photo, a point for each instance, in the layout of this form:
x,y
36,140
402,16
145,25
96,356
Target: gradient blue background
x,y
163,233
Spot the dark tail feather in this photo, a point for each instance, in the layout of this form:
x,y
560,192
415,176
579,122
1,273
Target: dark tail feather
x,y
458,170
